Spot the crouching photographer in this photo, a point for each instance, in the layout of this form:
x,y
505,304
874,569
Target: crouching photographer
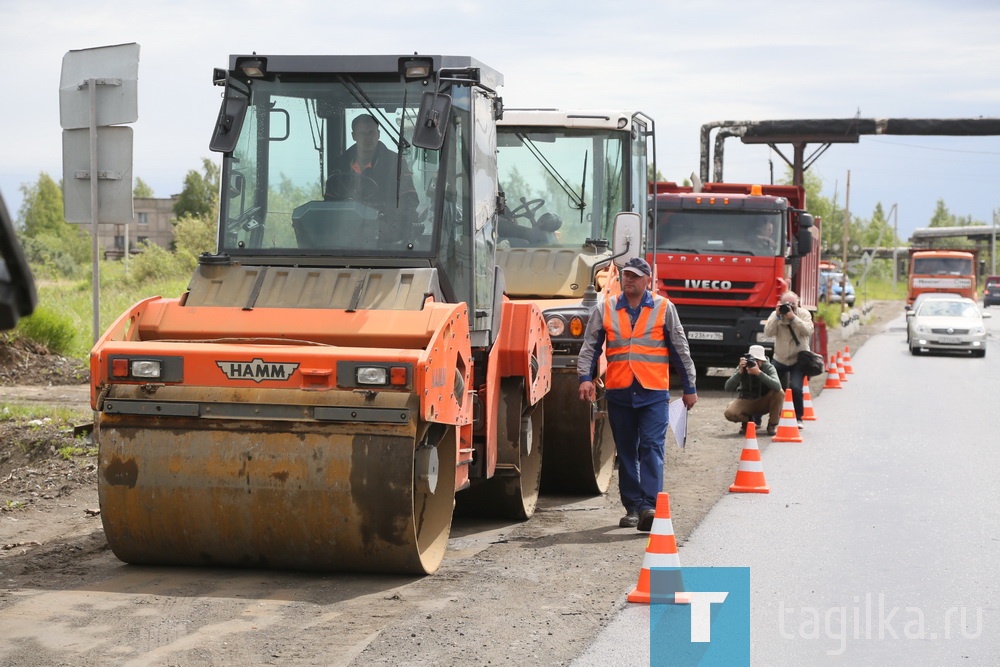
x,y
758,391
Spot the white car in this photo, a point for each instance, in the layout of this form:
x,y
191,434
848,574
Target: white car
x,y
912,308
947,324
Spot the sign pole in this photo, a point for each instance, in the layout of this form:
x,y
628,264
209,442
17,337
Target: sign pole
x,y
94,209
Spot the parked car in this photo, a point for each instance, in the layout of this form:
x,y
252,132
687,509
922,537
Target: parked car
x,y
991,292
830,281
947,324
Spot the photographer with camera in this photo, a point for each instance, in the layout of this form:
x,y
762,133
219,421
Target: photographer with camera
x,y
791,326
758,391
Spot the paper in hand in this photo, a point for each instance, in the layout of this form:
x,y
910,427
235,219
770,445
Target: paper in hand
x,y
678,415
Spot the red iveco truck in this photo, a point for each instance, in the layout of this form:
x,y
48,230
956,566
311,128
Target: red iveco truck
x,y
724,254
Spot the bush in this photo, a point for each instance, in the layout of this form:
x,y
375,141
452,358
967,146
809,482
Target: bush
x,y
48,327
153,264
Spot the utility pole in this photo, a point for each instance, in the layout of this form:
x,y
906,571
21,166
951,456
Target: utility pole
x,y
895,246
993,242
847,221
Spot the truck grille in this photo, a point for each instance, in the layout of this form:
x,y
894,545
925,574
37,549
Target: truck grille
x,y
736,292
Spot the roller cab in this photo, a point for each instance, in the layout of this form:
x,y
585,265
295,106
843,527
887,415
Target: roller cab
x,y
346,364
565,176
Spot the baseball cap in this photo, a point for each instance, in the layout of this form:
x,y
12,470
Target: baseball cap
x,y
638,266
757,352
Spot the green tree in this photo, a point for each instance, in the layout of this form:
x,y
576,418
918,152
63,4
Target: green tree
x,y
942,217
831,218
52,245
142,190
200,194
42,207
192,236
877,232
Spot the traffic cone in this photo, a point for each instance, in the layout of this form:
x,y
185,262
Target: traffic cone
x,y
750,473
808,414
840,368
661,549
788,427
832,376
847,361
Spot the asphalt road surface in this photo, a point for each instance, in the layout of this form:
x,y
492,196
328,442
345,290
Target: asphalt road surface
x,y
879,541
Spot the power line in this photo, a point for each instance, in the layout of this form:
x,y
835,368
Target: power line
x,y
929,148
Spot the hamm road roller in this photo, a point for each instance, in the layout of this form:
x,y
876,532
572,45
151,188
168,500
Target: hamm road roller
x,y
346,365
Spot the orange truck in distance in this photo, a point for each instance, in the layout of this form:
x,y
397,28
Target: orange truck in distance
x,y
952,271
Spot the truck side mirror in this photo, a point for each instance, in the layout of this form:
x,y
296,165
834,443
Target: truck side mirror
x,y
17,287
627,237
805,240
432,121
226,133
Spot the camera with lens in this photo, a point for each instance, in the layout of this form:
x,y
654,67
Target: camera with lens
x,y
785,308
751,361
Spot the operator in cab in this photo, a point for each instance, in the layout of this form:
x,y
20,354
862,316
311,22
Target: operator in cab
x,y
762,238
369,172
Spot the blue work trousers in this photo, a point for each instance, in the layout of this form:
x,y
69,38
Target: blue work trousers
x,y
640,434
792,376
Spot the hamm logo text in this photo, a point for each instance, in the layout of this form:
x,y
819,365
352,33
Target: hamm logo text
x,y
257,370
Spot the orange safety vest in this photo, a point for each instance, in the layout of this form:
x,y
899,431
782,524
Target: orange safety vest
x,y
642,353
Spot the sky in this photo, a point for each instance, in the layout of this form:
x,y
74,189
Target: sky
x,y
683,64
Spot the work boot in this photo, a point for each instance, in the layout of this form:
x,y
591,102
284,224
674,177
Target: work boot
x,y
772,429
646,520
630,520
743,428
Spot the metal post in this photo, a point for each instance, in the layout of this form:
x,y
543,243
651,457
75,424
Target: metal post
x,y
847,222
895,246
993,244
94,208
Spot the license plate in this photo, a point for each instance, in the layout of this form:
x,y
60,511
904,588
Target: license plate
x,y
705,335
949,339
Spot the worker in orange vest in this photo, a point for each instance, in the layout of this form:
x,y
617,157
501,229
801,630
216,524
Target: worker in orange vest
x,y
642,336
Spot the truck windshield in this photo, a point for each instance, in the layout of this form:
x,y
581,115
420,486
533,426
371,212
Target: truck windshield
x,y
942,266
326,167
562,186
733,232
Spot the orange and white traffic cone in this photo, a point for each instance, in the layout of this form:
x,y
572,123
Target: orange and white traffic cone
x,y
808,414
788,426
661,549
847,361
750,473
840,368
832,376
